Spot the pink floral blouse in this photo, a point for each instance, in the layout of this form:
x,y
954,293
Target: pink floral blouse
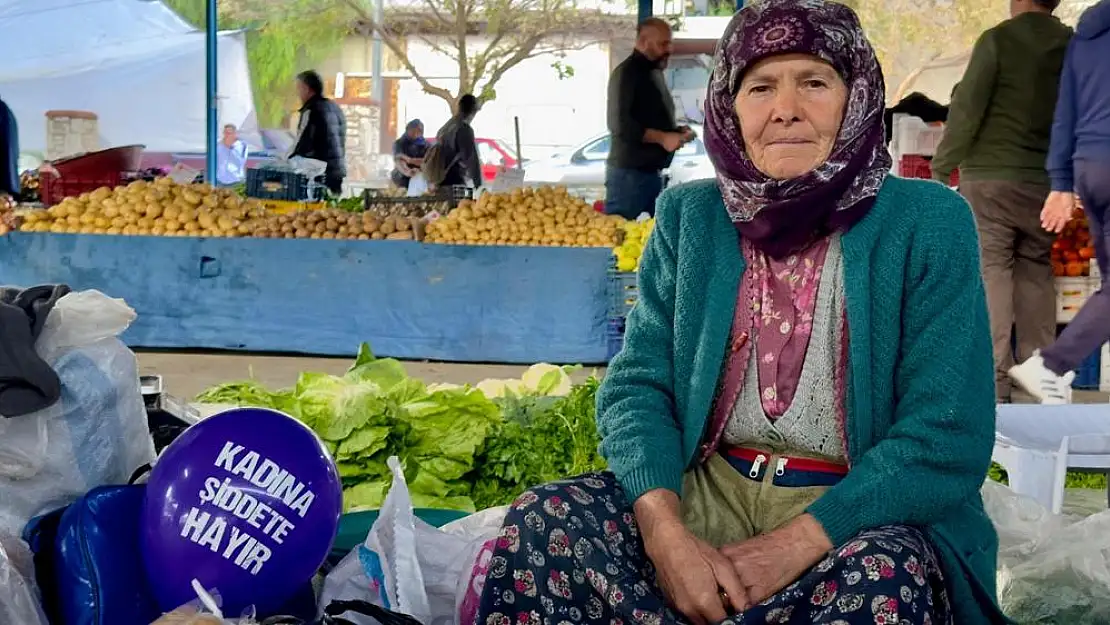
x,y
783,296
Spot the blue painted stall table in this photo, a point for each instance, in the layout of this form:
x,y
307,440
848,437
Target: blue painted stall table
x,y
409,300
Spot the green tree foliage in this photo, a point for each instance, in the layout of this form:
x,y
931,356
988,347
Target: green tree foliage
x,y
192,11
278,49
908,35
279,45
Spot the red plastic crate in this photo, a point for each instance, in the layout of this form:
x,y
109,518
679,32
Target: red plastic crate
x,y
915,166
53,189
88,172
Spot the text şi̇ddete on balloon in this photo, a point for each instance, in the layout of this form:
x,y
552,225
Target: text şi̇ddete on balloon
x,y
233,543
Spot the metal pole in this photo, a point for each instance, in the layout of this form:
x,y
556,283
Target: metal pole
x,y
211,32
645,10
520,154
739,4
377,84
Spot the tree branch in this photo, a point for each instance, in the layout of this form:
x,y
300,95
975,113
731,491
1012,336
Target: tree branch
x,y
522,53
397,49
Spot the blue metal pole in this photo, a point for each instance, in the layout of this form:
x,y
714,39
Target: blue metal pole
x,y
739,4
645,10
211,30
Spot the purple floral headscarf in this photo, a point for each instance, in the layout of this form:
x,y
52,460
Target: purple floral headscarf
x,y
782,216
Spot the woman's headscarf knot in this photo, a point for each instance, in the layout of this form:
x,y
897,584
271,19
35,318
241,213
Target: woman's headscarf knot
x,y
781,216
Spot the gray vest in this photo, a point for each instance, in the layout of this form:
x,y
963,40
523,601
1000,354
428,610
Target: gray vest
x,y
810,425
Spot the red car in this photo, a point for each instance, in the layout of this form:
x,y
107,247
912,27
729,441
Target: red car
x,y
495,155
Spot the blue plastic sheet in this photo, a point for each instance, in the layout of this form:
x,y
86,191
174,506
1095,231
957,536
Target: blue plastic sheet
x,y
408,300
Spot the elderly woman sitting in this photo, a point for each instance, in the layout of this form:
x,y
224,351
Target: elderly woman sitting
x,y
802,416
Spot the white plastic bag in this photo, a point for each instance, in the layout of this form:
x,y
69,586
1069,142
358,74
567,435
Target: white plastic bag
x,y
409,566
418,185
310,167
204,610
19,597
96,434
1051,568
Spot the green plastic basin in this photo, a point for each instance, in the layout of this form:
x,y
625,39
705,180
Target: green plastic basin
x,y
354,526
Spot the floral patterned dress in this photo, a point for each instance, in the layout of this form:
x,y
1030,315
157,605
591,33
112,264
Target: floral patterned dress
x,y
570,553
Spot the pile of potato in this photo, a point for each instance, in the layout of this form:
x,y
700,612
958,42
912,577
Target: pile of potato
x,y
544,216
333,224
9,220
408,209
159,208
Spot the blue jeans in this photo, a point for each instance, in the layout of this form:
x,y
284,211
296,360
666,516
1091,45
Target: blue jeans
x,y
629,192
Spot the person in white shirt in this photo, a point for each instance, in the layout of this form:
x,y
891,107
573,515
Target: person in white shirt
x,y
231,158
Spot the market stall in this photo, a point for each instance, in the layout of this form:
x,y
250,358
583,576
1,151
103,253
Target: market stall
x,y
210,270
416,301
248,508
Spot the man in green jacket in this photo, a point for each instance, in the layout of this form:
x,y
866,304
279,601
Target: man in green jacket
x,y
998,132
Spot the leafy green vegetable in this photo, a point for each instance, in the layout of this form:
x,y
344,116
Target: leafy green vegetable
x,y
540,441
461,450
366,496
1074,479
246,393
386,372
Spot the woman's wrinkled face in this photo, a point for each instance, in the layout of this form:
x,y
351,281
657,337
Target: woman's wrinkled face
x,y
790,109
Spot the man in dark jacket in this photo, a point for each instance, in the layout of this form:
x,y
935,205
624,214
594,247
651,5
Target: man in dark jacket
x,y
1079,164
459,147
999,126
641,120
322,133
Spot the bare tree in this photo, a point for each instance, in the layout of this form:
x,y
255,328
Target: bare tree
x,y
487,38
484,38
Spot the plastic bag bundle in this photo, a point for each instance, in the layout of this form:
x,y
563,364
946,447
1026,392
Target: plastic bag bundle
x,y
19,597
96,434
410,567
1052,568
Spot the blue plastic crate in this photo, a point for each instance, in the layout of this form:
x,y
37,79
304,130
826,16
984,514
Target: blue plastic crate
x,y
1087,377
614,336
623,293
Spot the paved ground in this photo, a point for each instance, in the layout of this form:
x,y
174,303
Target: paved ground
x,y
187,374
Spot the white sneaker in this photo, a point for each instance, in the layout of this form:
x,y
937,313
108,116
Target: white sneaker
x,y
1043,384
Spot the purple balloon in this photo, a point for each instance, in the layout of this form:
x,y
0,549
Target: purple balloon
x,y
246,501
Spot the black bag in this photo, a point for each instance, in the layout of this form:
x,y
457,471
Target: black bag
x,y
333,615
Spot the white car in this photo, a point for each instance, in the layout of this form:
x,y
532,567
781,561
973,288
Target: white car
x,y
697,167
584,165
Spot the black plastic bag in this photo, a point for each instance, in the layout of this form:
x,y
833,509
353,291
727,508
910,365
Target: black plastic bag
x,y
333,615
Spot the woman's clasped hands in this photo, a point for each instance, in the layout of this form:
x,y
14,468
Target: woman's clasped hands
x,y
708,585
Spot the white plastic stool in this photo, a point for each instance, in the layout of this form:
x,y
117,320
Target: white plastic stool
x,y
1038,444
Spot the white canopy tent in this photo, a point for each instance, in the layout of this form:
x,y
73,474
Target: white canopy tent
x,y
135,63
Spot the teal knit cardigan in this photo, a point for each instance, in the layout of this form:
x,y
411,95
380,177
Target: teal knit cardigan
x,y
920,389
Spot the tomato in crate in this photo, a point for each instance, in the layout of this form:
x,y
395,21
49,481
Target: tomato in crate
x,y
917,166
1072,250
